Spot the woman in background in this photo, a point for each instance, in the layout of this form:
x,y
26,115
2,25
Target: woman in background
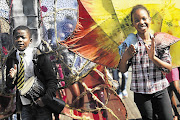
x,y
173,79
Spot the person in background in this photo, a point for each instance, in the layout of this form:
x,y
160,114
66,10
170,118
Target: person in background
x,y
121,91
148,82
173,79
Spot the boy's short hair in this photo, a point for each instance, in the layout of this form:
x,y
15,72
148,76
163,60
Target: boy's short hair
x,y
22,27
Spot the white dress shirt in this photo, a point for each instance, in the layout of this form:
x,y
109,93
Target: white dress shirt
x,y
28,68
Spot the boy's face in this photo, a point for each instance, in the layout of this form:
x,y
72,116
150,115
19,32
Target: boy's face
x,y
141,20
21,40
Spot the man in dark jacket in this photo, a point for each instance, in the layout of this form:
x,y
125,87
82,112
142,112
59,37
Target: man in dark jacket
x,y
21,66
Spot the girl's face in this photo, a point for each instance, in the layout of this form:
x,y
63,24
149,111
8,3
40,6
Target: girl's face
x,y
141,20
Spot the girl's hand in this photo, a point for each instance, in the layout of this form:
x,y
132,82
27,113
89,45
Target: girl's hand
x,y
129,52
151,50
13,71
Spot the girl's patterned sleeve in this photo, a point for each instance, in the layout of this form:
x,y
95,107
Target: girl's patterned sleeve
x,y
164,55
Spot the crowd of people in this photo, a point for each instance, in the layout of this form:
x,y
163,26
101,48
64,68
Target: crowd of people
x,y
153,80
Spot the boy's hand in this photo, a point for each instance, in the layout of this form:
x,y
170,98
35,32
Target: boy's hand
x,y
129,52
151,50
39,102
13,71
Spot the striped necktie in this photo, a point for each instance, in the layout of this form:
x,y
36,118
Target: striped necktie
x,y
20,82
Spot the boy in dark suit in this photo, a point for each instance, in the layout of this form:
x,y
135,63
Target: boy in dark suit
x,y
21,66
